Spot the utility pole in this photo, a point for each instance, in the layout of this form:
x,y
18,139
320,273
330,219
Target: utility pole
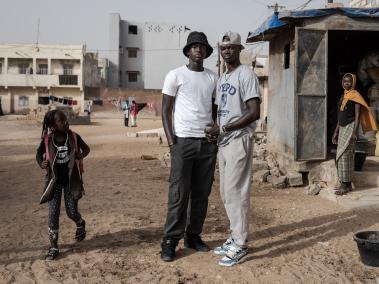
x,y
276,7
37,35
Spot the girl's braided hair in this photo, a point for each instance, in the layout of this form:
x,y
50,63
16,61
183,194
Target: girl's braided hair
x,y
48,121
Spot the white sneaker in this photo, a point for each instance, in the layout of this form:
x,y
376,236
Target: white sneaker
x,y
221,250
234,255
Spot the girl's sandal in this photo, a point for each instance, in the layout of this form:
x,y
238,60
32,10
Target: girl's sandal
x,y
52,254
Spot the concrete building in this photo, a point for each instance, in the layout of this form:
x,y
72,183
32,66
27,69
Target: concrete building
x,y
364,3
308,54
31,74
259,63
103,66
141,54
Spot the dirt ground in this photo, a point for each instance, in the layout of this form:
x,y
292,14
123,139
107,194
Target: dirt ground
x,y
295,238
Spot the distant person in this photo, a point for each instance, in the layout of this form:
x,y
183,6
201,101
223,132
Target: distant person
x,y
89,107
126,116
187,104
1,108
351,110
61,152
133,113
238,100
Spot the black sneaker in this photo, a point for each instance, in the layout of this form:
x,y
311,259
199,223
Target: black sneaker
x,y
80,233
52,254
168,249
196,243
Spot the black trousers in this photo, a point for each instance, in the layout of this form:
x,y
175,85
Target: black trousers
x,y
126,121
192,169
55,207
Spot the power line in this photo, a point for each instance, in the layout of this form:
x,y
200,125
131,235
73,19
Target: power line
x,y
301,7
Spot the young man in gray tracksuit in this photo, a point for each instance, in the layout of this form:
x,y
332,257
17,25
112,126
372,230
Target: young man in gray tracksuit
x,y
238,100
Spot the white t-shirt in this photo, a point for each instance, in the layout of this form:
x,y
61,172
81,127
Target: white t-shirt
x,y
233,91
193,92
126,113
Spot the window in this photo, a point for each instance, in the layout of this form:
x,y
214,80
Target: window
x,y
67,69
42,69
23,101
23,68
287,54
1,68
133,29
132,76
120,50
120,78
132,52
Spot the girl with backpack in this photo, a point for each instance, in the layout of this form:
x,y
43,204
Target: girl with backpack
x,y
61,152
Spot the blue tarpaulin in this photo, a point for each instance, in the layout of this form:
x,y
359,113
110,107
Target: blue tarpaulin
x,y
271,24
278,21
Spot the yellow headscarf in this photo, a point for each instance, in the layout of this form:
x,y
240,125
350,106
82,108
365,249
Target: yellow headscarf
x,y
366,118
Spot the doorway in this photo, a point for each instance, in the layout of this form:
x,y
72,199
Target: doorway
x,y
345,50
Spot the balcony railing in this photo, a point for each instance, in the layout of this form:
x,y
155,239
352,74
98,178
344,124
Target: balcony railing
x,y
36,80
68,79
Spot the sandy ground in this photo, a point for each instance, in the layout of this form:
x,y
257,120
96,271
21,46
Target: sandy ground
x,y
295,238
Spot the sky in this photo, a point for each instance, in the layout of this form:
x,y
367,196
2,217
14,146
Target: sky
x,y
86,21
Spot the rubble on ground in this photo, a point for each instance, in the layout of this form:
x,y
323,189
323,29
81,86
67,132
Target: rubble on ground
x,y
313,189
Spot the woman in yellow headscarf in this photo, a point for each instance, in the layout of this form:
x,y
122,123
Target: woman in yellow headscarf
x,y
352,110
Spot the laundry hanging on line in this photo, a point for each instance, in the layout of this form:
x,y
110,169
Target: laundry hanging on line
x,y
64,101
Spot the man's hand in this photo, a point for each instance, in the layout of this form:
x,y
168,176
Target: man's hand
x,y
212,131
45,164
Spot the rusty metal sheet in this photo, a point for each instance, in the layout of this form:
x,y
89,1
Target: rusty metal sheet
x,y
311,91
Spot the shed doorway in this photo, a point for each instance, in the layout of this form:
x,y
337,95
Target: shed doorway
x,y
345,50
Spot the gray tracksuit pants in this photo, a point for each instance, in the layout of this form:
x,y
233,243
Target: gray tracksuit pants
x,y
235,162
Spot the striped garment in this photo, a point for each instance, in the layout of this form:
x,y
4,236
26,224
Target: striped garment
x,y
345,153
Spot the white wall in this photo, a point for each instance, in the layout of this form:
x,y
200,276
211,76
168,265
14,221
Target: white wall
x,y
132,64
113,55
163,51
281,99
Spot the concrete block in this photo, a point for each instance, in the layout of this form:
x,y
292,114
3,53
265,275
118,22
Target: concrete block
x,y
271,162
279,182
261,153
259,165
313,189
324,172
275,172
294,178
261,176
269,178
131,134
146,134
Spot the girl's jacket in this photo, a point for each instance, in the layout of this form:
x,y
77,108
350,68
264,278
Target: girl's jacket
x,y
47,151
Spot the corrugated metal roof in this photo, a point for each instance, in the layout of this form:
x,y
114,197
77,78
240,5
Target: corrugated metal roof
x,y
279,21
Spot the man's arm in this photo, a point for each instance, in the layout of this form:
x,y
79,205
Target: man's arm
x,y
167,110
253,113
214,111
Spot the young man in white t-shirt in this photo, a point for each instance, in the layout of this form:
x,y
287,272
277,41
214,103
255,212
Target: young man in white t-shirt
x,y
187,109
238,101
